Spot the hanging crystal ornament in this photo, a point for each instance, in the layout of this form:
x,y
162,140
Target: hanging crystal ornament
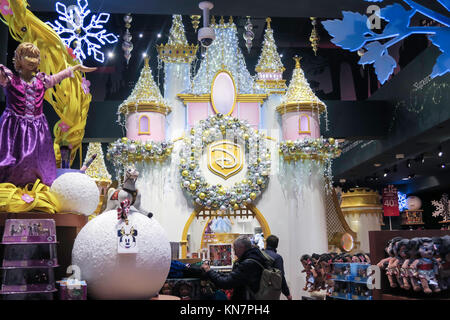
x,y
127,45
314,37
248,35
195,21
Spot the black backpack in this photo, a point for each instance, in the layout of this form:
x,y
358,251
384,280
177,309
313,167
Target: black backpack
x,y
271,280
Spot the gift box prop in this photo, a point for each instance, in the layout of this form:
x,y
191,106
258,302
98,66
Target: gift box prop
x,y
72,289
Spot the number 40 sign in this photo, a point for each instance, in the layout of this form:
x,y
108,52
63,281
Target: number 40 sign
x,y
390,201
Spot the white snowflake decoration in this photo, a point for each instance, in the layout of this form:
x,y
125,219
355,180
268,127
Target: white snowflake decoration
x,y
90,37
442,207
402,203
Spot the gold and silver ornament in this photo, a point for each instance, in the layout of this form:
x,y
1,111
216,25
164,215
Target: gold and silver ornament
x,y
248,35
127,45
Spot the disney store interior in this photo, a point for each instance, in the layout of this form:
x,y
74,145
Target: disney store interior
x,y
144,144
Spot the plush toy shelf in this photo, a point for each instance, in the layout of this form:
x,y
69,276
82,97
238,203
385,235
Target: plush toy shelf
x,y
377,242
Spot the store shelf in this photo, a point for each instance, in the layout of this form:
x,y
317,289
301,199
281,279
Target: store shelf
x,y
66,219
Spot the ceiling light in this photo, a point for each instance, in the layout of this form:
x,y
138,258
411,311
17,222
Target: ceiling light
x,y
440,153
281,55
386,172
399,156
144,54
404,179
377,165
159,35
140,35
110,54
443,166
408,163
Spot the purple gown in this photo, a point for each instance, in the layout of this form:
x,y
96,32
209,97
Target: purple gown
x,y
26,145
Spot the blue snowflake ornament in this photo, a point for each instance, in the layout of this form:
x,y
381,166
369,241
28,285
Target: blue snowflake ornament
x,y
87,39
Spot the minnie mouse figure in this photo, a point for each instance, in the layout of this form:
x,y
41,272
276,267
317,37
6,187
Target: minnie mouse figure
x,y
427,266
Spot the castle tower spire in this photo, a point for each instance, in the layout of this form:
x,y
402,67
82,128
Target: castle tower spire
x,y
269,67
177,48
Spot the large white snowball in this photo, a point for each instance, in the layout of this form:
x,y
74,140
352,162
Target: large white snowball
x,y
110,275
76,192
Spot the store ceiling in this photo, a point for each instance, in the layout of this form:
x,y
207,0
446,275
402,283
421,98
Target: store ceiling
x,y
254,8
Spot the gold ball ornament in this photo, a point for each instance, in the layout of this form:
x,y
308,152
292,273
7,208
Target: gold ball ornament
x,y
202,195
331,141
192,186
253,196
236,206
148,147
124,139
259,181
185,173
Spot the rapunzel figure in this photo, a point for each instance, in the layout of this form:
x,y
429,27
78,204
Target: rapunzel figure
x,y
26,145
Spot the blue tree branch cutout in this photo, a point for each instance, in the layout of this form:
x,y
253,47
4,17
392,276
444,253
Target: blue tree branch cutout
x,y
355,31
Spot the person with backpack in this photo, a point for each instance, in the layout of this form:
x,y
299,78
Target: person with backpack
x,y
252,276
271,250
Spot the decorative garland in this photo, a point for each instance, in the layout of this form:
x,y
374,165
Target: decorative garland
x,y
125,151
218,197
319,150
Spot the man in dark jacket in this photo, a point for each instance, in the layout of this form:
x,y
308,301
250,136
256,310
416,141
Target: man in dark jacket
x,y
246,274
271,250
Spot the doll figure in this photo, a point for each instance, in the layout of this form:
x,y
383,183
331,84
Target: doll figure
x,y
400,252
326,263
388,263
26,146
307,268
411,280
426,266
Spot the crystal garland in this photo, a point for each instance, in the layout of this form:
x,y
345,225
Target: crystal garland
x,y
124,152
224,53
320,151
215,128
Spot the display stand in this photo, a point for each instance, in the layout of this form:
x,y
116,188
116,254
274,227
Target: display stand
x,y
350,281
412,219
378,240
67,227
29,259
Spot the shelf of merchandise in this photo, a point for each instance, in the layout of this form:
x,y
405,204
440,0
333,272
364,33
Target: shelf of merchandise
x,y
68,224
377,243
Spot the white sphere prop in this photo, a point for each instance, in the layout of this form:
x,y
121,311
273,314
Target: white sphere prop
x,y
110,275
76,192
413,203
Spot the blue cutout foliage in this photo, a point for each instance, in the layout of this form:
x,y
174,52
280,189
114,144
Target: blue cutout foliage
x,y
353,32
348,33
383,63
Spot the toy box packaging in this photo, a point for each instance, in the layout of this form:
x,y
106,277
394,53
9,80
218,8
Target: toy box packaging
x,y
29,231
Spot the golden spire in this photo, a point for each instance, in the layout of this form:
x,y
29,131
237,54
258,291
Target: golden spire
x,y
145,95
97,170
297,61
213,20
222,21
231,20
146,61
299,95
268,20
177,48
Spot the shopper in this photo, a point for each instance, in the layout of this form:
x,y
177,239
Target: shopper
x,y
271,250
246,274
